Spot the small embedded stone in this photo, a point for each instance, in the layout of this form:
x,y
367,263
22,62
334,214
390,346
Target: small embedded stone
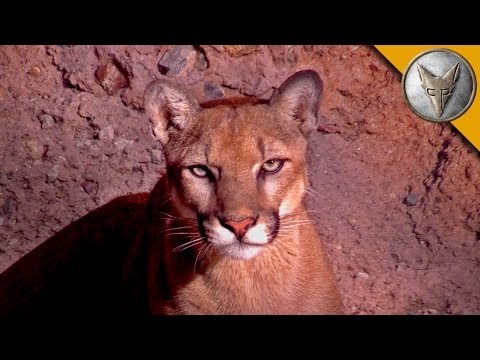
x,y
362,275
60,193
107,133
34,149
90,187
111,78
9,206
84,144
35,71
401,267
52,174
176,60
213,91
240,50
201,63
121,144
156,156
47,121
411,200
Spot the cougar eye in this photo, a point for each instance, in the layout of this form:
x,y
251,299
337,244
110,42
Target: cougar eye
x,y
199,171
272,166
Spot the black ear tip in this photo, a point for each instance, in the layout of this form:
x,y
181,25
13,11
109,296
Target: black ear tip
x,y
305,75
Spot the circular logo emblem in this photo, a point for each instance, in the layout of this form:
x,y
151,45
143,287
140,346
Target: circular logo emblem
x,y
439,85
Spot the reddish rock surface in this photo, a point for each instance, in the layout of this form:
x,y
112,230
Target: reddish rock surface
x,y
396,199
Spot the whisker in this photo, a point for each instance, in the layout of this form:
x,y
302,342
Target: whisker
x,y
188,221
284,236
296,221
284,216
312,195
169,197
191,241
286,226
176,228
198,255
204,253
199,238
210,249
295,226
191,238
311,191
188,247
286,221
188,244
196,258
185,237
170,216
182,233
299,214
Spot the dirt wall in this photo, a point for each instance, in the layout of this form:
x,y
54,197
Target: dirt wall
x,y
396,198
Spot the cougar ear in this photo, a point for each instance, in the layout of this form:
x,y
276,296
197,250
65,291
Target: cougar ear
x,y
169,108
299,98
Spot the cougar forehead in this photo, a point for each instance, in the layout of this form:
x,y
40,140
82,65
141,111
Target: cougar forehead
x,y
227,136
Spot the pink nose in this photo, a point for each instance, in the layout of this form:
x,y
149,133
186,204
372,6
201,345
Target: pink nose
x,y
239,228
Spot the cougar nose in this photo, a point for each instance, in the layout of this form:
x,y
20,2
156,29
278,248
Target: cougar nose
x,y
239,228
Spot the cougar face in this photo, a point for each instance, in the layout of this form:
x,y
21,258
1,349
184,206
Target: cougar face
x,y
239,179
236,169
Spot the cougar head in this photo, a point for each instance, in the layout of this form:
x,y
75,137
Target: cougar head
x,y
237,167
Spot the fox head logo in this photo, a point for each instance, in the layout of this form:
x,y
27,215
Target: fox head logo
x,y
438,88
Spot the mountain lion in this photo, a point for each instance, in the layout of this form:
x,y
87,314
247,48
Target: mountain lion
x,y
225,230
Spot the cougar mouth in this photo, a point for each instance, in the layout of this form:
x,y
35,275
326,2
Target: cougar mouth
x,y
248,244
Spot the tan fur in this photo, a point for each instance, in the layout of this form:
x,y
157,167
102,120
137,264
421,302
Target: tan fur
x,y
285,271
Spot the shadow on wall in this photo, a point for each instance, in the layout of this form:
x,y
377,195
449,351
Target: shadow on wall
x,y
94,265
